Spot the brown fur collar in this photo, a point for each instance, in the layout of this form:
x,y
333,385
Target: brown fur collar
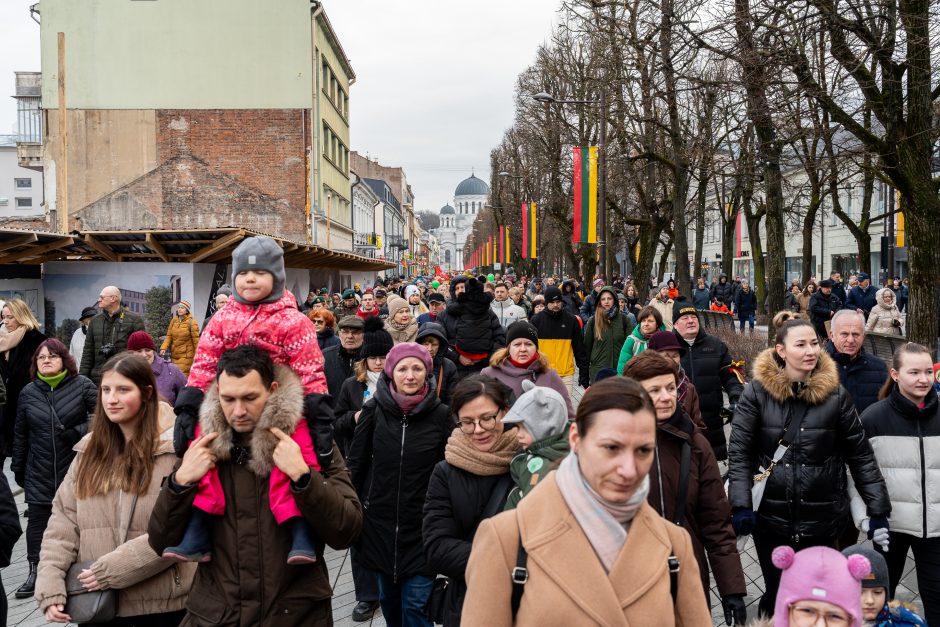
x,y
283,410
820,385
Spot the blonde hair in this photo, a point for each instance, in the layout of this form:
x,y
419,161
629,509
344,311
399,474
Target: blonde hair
x,y
23,314
360,369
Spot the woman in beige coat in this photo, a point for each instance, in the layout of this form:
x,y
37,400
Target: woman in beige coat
x,y
885,317
596,552
101,510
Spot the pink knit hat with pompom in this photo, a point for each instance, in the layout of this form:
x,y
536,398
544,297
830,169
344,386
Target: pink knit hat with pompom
x,y
819,574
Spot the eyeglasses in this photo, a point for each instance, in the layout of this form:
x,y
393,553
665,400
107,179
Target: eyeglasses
x,y
487,423
804,616
49,357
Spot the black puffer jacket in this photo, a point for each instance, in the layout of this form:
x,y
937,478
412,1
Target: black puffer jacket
x,y
471,326
391,459
14,368
862,377
708,366
723,291
807,493
456,504
337,367
445,371
348,402
42,450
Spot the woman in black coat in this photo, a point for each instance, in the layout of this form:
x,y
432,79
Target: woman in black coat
x,y
52,415
471,484
805,501
19,339
399,439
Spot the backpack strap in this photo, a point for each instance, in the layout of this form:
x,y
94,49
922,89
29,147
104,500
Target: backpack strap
x,y
520,575
673,562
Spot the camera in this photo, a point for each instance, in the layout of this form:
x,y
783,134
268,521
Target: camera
x,y
107,350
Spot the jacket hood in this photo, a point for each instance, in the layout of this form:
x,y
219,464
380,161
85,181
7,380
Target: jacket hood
x,y
568,287
433,329
880,298
820,385
283,410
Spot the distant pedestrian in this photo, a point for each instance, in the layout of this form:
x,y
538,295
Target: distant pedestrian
x,y
182,337
170,379
649,321
107,333
20,337
862,296
324,323
401,323
745,305
77,344
561,340
885,316
606,331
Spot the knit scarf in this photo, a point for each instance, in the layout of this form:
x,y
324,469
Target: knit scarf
x,y
407,402
523,364
54,380
604,523
11,339
461,453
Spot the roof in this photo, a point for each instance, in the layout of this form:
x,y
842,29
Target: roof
x,y
384,191
472,187
182,246
447,210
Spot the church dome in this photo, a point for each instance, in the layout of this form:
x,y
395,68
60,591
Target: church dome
x,y
447,210
472,187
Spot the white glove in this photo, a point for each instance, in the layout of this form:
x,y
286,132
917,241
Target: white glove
x,y
881,537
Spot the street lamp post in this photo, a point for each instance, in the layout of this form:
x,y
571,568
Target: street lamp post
x,y
546,98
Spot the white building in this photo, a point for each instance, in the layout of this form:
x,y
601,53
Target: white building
x,y
471,195
20,188
367,226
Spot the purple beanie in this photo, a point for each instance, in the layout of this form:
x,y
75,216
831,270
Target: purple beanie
x,y
407,349
819,574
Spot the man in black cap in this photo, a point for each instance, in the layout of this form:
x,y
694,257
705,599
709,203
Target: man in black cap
x,y
349,305
381,301
709,367
339,359
77,345
561,340
861,298
436,304
822,306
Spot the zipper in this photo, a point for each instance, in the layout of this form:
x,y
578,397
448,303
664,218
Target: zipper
x,y
55,454
401,462
797,454
923,478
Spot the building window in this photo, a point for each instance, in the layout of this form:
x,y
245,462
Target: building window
x,y
24,203
23,183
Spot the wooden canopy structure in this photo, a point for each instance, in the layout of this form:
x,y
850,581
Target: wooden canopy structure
x,y
181,246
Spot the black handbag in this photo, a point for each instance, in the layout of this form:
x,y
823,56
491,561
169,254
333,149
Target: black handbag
x,y
91,606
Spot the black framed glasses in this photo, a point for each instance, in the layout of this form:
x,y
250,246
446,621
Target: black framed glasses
x,y
487,423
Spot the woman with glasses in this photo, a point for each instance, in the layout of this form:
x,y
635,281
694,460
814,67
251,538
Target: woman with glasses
x,y
20,337
52,415
471,484
399,439
324,322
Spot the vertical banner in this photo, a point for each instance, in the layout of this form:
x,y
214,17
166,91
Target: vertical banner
x,y
502,244
585,195
899,224
508,258
525,230
533,232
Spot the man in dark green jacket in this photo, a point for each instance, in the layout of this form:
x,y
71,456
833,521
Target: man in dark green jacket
x,y
107,333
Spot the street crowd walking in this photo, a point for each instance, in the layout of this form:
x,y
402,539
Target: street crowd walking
x,y
431,424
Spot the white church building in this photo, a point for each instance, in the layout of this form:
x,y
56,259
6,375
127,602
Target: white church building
x,y
471,195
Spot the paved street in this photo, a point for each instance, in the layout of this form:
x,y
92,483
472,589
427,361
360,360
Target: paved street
x,y
23,613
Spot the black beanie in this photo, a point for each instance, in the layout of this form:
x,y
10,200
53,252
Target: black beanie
x,y
552,294
682,307
376,341
520,329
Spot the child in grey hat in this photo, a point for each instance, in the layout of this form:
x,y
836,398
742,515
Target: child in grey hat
x,y
877,609
542,417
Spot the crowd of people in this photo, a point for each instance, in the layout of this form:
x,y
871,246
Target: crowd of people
x,y
493,450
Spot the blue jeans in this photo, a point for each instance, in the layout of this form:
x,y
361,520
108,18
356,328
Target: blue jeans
x,y
403,603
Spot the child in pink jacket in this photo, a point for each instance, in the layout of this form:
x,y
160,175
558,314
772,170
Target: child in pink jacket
x,y
263,314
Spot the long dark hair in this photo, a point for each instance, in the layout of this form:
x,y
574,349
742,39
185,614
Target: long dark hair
x,y
478,385
897,361
54,346
109,462
612,393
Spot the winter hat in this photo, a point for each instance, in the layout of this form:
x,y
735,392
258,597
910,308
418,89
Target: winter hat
x,y
349,293
352,321
185,303
827,283
409,290
878,577
598,283
552,294
541,410
88,312
260,253
404,350
665,341
819,574
682,307
395,304
522,329
376,342
225,289
434,297
139,340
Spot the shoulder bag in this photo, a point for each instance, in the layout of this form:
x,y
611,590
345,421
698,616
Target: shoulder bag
x,y
760,479
92,606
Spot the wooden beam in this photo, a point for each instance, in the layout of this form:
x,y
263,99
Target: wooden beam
x,y
156,247
18,241
219,244
100,248
37,251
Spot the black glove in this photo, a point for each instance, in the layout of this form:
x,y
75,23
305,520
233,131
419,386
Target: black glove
x,y
584,380
743,521
318,410
187,406
875,523
735,610
20,478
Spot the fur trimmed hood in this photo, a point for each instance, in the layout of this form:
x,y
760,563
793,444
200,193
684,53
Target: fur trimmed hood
x,y
821,384
283,410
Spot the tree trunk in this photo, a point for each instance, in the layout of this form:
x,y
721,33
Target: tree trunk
x,y
809,233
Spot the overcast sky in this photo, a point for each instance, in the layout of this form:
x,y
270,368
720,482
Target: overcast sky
x,y
434,80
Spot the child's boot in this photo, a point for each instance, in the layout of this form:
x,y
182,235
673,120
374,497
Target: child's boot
x,y
197,542
302,550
